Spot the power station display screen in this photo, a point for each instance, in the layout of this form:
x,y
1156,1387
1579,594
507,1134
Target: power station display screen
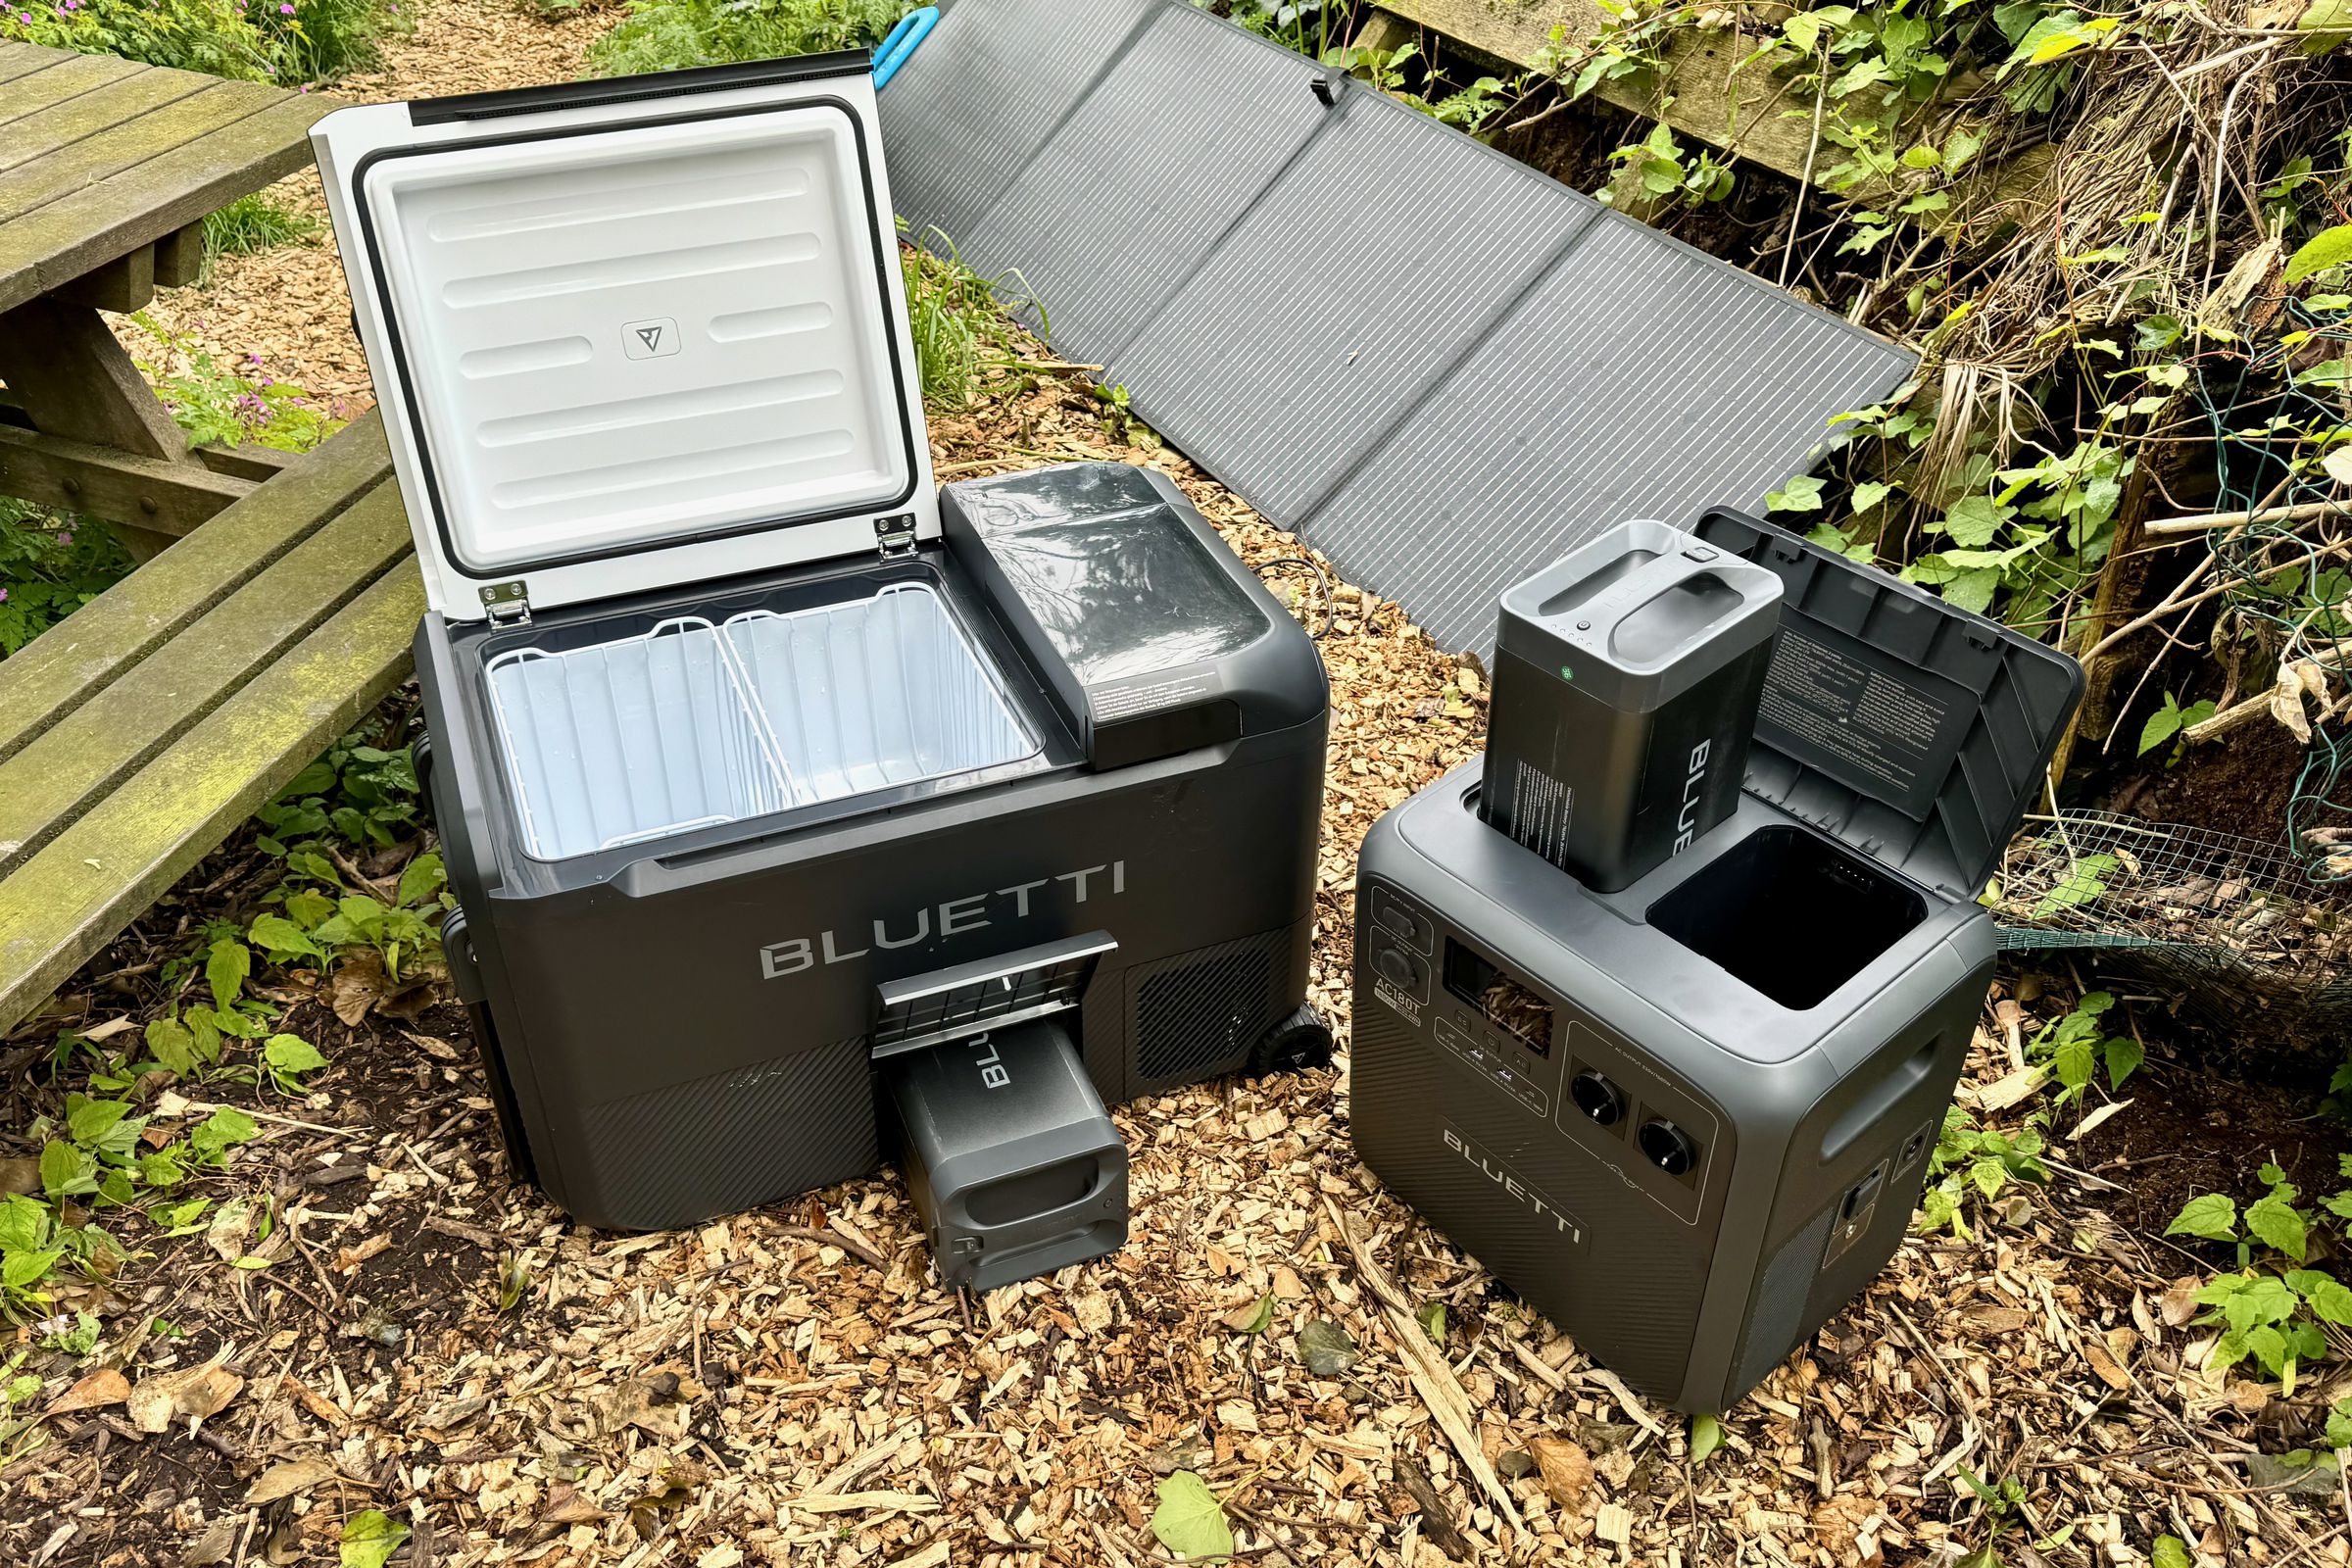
x,y
1508,1004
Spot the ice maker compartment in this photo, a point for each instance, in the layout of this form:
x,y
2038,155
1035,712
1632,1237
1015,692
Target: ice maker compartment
x,y
878,692
1790,915
629,740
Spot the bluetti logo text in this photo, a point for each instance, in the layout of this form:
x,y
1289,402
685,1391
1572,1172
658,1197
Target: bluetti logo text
x,y
1509,1182
952,918
1694,785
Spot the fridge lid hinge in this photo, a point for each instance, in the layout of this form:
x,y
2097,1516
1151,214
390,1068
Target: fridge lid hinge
x,y
507,603
894,536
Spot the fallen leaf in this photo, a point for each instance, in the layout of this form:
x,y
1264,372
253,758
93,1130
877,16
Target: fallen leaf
x,y
212,1546
566,1506
287,1479
1253,1317
1326,1348
2179,1304
101,1388
1178,1453
2110,1371
369,1539
191,1394
20,1178
1190,1520
357,984
1996,1321
347,1258
1566,1469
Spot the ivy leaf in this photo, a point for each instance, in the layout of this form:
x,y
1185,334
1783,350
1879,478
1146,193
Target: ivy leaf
x,y
422,879
282,938
1800,494
2124,1057
1253,1318
2329,247
1188,1521
222,1131
89,1121
1432,1318
2170,1552
1706,1435
1974,521
66,1171
1325,1348
2279,1224
226,970
169,1042
1869,494
369,1539
291,1053
2211,1215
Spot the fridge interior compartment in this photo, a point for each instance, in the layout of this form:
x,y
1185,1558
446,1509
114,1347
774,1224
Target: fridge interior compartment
x,y
1789,913
692,724
876,693
631,739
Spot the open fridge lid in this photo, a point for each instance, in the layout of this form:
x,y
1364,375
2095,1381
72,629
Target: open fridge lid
x,y
1907,727
633,333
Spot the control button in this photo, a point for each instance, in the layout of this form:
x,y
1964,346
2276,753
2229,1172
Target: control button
x,y
1699,552
1402,921
1393,965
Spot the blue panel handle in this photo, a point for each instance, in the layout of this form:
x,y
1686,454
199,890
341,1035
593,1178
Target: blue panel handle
x,y
904,38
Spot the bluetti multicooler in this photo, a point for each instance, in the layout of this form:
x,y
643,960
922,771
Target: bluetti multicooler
x,y
1688,1117
801,816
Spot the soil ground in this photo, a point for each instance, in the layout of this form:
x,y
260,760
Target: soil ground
x,y
789,1386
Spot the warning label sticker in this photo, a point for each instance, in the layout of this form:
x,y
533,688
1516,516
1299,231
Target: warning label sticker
x,y
1146,694
1828,703
1542,808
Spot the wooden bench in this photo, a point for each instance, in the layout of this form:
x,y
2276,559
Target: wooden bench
x,y
138,732
106,170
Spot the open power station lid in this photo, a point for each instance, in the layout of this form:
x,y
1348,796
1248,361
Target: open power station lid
x,y
633,333
1911,729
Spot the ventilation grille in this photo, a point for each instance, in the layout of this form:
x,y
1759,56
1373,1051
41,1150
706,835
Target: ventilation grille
x,y
1199,1014
1777,1315
728,1142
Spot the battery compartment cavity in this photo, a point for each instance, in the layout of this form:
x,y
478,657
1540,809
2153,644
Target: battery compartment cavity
x,y
1790,915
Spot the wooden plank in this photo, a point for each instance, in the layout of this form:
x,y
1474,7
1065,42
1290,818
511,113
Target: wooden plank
x,y
1703,96
75,233
71,662
20,60
51,782
123,285
89,116
59,167
73,376
246,463
150,493
64,80
179,257
65,903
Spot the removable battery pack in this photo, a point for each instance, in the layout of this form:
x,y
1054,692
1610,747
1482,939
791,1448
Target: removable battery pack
x,y
1627,676
1015,1168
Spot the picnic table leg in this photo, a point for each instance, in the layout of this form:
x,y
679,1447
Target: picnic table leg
x,y
63,364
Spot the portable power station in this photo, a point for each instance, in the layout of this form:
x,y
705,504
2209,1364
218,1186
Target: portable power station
x,y
1689,1120
791,806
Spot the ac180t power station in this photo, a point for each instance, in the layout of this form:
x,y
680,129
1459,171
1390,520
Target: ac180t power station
x,y
786,800
1684,1107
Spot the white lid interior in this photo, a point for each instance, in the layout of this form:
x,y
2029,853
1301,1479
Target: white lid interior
x,y
617,338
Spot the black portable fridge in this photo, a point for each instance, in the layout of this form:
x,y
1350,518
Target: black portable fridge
x,y
760,765
1688,1120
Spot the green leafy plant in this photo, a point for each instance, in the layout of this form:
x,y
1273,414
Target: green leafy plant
x,y
1971,1167
966,347
49,567
218,403
2078,1044
1667,169
254,224
2270,1308
672,35
2170,720
253,40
